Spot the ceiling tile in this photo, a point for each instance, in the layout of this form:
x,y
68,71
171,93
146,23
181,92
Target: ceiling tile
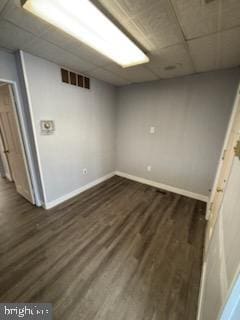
x,y
13,38
230,48
196,17
136,8
57,37
204,52
44,49
134,31
199,19
107,76
217,51
159,24
85,52
2,5
114,9
152,24
133,74
74,46
124,20
172,62
14,13
230,16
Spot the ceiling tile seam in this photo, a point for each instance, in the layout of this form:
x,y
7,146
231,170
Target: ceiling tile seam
x,y
142,34
181,27
190,56
213,33
4,8
85,72
219,18
152,71
121,8
70,52
218,56
41,37
6,49
116,75
19,27
183,35
219,45
149,54
172,45
110,72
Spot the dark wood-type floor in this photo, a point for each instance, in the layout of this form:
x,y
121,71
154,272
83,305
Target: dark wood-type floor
x,y
120,251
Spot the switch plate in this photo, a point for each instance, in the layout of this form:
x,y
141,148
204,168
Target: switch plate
x,y
85,171
149,168
152,130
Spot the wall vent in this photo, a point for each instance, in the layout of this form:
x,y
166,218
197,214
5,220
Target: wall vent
x,y
75,79
167,68
209,1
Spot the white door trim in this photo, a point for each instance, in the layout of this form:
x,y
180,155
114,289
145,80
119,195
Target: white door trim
x,y
17,110
30,108
220,162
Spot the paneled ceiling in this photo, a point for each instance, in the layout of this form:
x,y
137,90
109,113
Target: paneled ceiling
x,y
180,36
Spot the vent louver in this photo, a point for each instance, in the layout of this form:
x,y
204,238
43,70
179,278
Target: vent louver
x,y
170,68
75,79
209,1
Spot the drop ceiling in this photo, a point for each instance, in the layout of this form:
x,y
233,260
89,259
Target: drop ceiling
x,y
181,37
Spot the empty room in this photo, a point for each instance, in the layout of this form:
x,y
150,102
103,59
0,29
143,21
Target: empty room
x,y
120,159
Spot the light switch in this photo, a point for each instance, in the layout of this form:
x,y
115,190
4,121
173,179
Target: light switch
x,y
152,130
149,168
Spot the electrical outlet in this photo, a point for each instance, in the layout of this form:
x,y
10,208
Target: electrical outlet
x,y
149,168
85,171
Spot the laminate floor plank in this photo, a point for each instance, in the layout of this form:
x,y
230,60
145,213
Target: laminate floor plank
x,y
119,251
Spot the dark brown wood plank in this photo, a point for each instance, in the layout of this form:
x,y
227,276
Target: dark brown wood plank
x,y
121,250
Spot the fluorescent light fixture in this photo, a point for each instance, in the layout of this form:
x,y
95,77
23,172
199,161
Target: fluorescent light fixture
x,y
82,20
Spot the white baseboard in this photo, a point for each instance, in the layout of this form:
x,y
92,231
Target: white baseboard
x,y
201,291
163,186
74,193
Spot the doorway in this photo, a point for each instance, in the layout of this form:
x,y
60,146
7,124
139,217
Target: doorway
x,y
221,267
224,169
14,166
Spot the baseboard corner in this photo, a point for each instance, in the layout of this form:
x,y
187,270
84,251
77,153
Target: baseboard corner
x,y
56,202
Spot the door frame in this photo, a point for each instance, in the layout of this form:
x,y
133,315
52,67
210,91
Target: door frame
x,y
227,308
226,138
17,110
8,175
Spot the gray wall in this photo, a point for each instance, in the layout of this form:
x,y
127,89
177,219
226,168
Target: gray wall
x,y
190,115
85,128
8,66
